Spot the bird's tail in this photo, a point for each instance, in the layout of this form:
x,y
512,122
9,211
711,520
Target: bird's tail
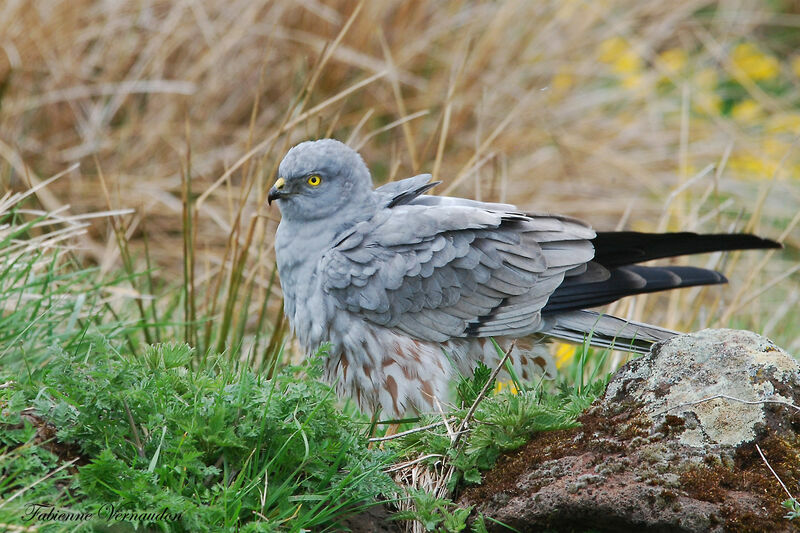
x,y
606,331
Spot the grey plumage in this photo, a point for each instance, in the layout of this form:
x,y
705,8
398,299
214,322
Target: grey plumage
x,y
392,276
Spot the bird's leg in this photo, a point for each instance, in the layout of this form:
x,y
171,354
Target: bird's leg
x,y
390,430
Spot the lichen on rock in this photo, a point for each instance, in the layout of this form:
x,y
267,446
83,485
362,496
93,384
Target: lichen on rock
x,y
670,447
707,378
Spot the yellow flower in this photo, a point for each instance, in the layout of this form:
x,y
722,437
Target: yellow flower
x,y
633,81
707,102
628,62
749,166
624,61
564,353
704,95
672,60
706,79
505,385
748,58
775,148
611,49
746,111
788,122
562,82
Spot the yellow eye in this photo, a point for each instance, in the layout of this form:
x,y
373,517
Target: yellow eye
x,y
314,180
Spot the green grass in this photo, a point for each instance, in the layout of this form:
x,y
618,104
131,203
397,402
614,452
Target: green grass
x,y
503,421
93,416
225,450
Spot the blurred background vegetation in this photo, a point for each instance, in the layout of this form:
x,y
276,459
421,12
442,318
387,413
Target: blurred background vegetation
x,y
645,115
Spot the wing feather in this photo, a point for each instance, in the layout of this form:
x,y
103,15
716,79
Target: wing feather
x,y
449,270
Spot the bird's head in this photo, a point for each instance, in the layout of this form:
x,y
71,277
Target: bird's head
x,y
317,179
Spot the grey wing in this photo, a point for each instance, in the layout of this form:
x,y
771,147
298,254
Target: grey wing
x,y
449,271
412,191
404,191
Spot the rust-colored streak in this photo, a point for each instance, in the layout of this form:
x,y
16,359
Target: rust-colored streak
x,y
344,364
427,391
391,386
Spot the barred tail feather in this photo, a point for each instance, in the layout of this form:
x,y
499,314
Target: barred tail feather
x,y
606,331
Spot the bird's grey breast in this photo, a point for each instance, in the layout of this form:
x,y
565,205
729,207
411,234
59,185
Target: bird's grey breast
x,y
297,258
299,252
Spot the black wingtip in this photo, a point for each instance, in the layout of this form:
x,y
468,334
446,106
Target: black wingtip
x,y
629,247
747,241
628,281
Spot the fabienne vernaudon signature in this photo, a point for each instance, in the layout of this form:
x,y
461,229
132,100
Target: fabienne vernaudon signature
x,y
107,512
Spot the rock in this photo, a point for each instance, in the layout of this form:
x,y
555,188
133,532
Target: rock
x,y
690,368
670,447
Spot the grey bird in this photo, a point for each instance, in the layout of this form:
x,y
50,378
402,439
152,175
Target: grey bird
x,y
407,288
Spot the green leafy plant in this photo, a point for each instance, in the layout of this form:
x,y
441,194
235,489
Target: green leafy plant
x,y
224,450
468,388
435,514
502,421
793,506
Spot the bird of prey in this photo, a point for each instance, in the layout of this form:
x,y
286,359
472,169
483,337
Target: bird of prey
x,y
407,288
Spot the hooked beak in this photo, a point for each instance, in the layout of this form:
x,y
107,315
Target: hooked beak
x,y
276,192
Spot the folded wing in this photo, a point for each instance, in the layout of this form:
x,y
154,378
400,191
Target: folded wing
x,y
439,272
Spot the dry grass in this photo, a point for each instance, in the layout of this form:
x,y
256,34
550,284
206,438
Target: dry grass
x,y
526,102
